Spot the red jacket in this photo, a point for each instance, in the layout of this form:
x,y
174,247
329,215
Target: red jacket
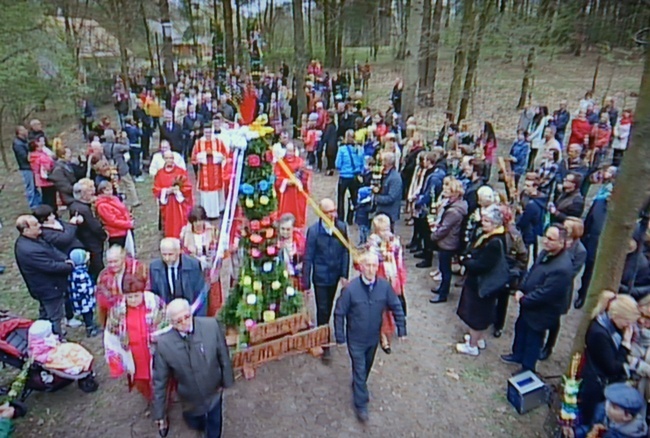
x,y
114,215
579,130
600,135
41,164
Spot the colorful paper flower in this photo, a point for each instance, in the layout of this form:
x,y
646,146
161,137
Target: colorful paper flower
x,y
265,222
256,239
250,203
268,156
255,225
247,280
267,266
263,185
249,323
264,200
271,179
275,286
251,299
273,307
270,232
271,250
286,274
247,189
256,253
291,291
268,316
254,160
257,286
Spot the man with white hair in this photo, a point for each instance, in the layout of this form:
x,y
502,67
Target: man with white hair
x,y
158,162
357,321
177,275
388,197
90,231
209,155
173,190
195,353
172,132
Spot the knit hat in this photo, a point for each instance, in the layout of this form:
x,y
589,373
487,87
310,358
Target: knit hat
x,y
40,329
79,257
364,195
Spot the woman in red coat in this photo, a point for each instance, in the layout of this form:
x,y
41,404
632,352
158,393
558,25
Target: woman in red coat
x,y
115,216
42,165
580,128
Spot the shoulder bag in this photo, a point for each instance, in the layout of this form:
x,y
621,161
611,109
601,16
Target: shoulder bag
x,y
496,280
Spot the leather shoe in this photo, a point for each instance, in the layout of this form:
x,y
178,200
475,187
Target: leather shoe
x,y
510,358
415,249
362,415
419,255
497,333
579,303
411,245
545,353
424,264
326,358
438,300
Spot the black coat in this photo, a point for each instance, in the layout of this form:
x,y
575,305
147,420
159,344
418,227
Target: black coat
x,y
471,195
90,232
64,240
63,176
21,151
326,259
594,223
191,281
568,204
43,268
174,137
330,140
545,287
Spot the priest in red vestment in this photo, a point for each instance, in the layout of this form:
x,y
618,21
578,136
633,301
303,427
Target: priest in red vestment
x,y
248,107
173,189
290,200
210,154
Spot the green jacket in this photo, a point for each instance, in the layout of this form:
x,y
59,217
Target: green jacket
x,y
200,363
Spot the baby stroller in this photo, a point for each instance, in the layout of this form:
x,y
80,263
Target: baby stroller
x,y
14,352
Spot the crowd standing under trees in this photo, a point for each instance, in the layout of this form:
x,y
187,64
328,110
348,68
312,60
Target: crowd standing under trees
x,y
514,229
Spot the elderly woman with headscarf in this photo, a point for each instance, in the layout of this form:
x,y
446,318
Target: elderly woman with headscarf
x,y
477,306
132,322
112,280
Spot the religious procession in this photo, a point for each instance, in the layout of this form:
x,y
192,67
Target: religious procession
x,y
232,246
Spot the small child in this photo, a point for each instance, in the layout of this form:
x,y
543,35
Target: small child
x,y
46,348
82,290
311,139
362,213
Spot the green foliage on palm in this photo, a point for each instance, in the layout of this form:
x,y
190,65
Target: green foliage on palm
x,y
264,283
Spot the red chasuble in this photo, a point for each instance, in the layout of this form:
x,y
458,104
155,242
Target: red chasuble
x,y
290,200
174,212
210,177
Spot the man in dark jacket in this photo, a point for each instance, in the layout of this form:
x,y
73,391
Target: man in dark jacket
x,y
357,321
192,126
328,144
561,119
542,298
326,262
177,275
594,223
475,171
44,268
145,122
21,151
388,198
570,202
90,231
195,353
172,132
531,221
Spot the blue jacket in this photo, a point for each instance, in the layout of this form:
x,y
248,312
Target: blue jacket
x,y
561,120
349,161
431,188
520,151
389,198
133,133
326,258
531,222
191,281
362,306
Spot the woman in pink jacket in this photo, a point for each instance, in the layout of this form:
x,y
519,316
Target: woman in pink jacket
x,y
115,216
42,164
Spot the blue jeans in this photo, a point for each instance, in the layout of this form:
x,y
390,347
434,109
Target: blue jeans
x,y
444,265
31,192
364,232
527,344
362,357
210,423
135,163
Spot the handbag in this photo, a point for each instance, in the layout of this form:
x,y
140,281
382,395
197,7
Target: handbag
x,y
496,280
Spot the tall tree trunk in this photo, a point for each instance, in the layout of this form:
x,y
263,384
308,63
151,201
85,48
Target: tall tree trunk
x,y
630,194
595,78
447,14
310,40
195,43
3,151
473,57
581,29
228,33
300,58
404,28
411,60
340,26
329,24
460,55
425,44
525,82
240,46
167,48
435,44
147,34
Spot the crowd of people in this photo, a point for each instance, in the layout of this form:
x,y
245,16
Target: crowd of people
x,y
525,241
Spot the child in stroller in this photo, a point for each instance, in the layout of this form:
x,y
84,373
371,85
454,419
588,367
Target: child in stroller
x,y
15,351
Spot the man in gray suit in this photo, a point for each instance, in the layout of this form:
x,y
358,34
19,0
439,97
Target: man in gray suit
x,y
388,198
177,275
195,353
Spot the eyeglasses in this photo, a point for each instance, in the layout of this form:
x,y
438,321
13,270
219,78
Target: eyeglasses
x,y
182,319
329,211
